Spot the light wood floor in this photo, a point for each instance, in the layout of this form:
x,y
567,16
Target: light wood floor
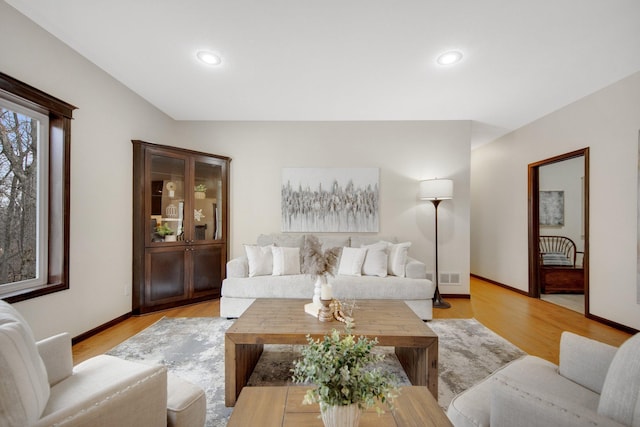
x,y
533,325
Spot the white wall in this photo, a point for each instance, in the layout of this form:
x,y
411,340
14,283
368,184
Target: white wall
x,y
405,152
567,176
606,121
108,117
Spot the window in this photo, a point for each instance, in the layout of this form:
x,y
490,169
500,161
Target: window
x,y
24,150
34,191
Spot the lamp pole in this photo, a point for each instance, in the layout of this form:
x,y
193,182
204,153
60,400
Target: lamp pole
x,y
438,302
437,190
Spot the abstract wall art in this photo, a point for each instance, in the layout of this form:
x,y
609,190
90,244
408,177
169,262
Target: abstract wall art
x,y
552,208
330,199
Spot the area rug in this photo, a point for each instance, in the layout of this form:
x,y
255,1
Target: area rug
x,y
193,348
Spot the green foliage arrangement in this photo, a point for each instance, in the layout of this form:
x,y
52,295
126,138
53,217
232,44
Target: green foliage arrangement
x,y
341,367
200,188
164,230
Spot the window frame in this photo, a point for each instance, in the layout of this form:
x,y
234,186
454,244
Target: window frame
x,y
42,201
60,114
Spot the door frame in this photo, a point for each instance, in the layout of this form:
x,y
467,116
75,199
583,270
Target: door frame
x,y
534,221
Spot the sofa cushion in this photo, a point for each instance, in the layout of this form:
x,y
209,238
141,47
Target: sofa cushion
x,y
620,398
301,286
372,287
376,260
517,404
284,240
358,241
296,286
24,384
260,259
351,261
398,253
286,261
472,407
328,242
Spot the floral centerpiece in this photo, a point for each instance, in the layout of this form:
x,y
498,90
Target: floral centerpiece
x,y
318,264
342,367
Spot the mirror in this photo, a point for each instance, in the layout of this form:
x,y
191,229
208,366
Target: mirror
x,y
558,230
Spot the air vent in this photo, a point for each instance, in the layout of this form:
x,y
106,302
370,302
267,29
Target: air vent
x,y
449,278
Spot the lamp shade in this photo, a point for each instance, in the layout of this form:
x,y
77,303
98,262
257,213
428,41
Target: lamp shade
x,y
436,189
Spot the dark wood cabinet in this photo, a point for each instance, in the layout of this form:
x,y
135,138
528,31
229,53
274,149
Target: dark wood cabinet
x,y
180,233
561,280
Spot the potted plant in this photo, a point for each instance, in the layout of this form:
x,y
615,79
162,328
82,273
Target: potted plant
x,y
200,190
165,231
342,367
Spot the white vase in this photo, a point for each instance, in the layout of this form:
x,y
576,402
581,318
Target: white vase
x,y
320,280
341,416
170,238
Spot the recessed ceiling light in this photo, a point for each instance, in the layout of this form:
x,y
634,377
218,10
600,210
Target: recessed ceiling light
x,y
450,57
208,57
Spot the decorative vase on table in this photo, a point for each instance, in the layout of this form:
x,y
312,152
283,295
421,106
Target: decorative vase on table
x,y
321,280
341,416
318,263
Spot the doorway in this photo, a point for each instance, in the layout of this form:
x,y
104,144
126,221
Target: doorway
x,y
559,230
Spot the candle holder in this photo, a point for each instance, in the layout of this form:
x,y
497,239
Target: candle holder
x,y
326,311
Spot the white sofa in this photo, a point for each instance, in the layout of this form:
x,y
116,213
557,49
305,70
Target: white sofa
x,y
594,385
239,290
39,386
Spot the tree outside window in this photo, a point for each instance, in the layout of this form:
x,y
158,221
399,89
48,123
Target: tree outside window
x,y
20,172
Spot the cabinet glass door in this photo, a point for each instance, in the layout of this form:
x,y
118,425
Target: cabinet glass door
x,y
207,202
167,198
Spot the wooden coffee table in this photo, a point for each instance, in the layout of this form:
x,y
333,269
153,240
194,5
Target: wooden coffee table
x,y
282,406
284,321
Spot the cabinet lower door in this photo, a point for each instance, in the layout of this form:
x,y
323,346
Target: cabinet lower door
x,y
165,278
208,262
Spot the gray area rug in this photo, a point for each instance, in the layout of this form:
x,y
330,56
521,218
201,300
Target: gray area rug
x,y
193,348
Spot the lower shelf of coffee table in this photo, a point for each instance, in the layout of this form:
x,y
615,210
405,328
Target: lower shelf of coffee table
x,y
282,406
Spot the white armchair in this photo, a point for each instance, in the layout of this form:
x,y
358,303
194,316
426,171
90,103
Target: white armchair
x,y
39,386
595,384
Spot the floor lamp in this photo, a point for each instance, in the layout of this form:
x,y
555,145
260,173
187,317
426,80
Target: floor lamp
x,y
437,190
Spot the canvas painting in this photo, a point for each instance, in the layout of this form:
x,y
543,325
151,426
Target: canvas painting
x,y
330,199
552,208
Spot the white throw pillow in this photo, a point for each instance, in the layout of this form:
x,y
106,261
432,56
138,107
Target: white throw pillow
x,y
375,262
398,258
286,261
260,260
351,261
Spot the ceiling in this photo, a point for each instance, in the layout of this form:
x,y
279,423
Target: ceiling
x,y
334,60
